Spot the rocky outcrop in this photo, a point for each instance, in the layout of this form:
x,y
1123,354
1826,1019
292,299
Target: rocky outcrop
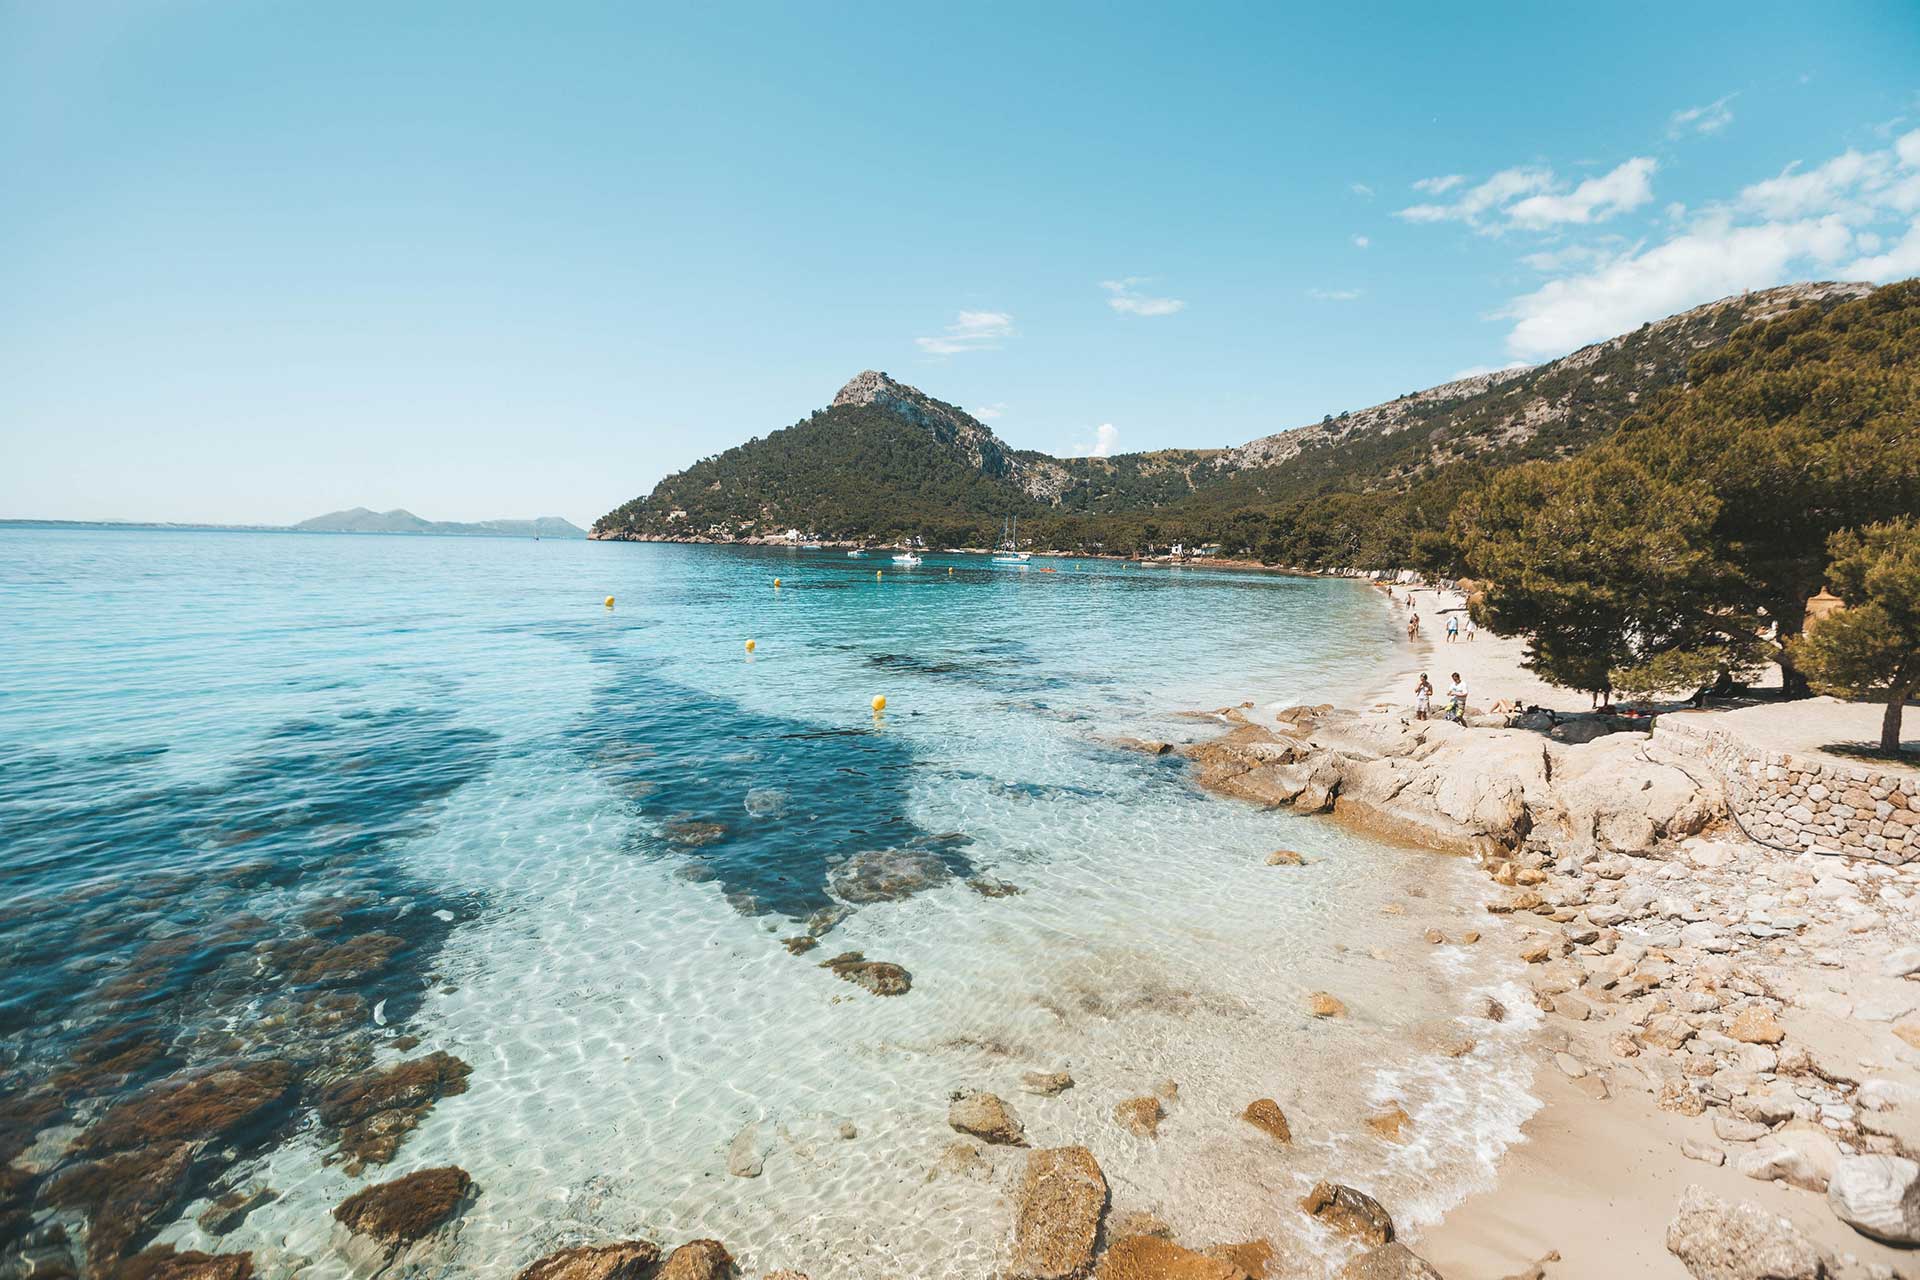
x,y
374,1111
1717,1241
234,1103
627,1260
1060,1199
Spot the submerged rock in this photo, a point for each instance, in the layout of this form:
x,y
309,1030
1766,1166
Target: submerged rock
x,y
881,977
162,1263
885,875
799,944
1265,1115
1250,1256
1061,1197
1285,858
987,1117
1153,1258
1046,1083
1140,1116
627,1260
406,1209
987,887
697,1260
1390,1122
234,1104
1389,1262
373,1112
126,1197
230,1210
1349,1212
1717,1241
747,1153
961,1160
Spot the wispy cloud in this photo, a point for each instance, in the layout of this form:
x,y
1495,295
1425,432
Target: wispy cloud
x,y
989,412
1105,436
1710,119
1361,242
1440,185
1123,296
970,331
1334,295
1529,197
1362,190
1624,189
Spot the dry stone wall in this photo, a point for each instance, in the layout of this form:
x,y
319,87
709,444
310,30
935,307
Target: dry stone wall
x,y
1803,804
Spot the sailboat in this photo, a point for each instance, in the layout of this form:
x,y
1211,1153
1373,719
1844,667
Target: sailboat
x,y
1009,552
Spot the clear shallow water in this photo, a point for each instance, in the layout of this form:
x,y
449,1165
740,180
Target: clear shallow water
x,y
581,834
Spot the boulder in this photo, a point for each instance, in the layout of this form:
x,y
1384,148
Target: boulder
x,y
406,1209
627,1260
1152,1258
1265,1115
1800,1156
1389,1262
1718,1241
1060,1199
1140,1116
985,1116
1349,1212
697,1260
1878,1196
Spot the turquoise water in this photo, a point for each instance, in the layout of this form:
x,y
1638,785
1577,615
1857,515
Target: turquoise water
x,y
577,836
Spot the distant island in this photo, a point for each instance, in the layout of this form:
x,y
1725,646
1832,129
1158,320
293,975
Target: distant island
x,y
352,520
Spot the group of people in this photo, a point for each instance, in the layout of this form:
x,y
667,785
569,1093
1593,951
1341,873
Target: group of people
x,y
1456,699
1454,627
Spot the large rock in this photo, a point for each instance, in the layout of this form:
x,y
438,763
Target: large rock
x,y
1061,1197
1349,1212
987,1117
1878,1196
234,1103
1153,1258
1718,1241
697,1260
1265,1115
406,1209
1389,1262
1800,1156
627,1260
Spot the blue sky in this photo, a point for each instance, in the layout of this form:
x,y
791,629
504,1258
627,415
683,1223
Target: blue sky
x,y
263,260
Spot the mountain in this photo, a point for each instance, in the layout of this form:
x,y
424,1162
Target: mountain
x,y
886,461
361,520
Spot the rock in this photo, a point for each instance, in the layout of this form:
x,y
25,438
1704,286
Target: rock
x,y
1285,858
1349,1212
1265,1115
1717,1241
1909,1032
406,1209
799,944
1138,1222
1878,1196
985,1116
235,1104
1060,1199
747,1153
1390,1122
1667,1031
987,887
1152,1258
1046,1083
961,1160
1487,1008
1389,1262
162,1263
1140,1116
1693,1149
1904,963
1800,1157
1322,1005
697,1260
878,976
126,1197
1571,1067
230,1210
1756,1024
374,1111
1733,1129
628,1260
1251,1257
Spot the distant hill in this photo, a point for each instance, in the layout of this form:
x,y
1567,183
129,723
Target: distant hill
x,y
885,461
361,520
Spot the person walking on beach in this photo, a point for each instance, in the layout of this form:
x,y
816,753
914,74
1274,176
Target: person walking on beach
x,y
1413,627
1473,628
1453,627
1422,697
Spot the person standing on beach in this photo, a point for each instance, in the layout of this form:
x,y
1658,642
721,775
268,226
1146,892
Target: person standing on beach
x,y
1422,697
1457,698
1453,627
1473,628
1413,627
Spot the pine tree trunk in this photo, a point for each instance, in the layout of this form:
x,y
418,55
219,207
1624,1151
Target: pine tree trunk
x,y
1890,723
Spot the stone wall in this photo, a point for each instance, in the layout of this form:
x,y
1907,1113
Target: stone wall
x,y
1800,803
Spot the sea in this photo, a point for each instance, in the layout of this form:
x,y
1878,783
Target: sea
x,y
590,817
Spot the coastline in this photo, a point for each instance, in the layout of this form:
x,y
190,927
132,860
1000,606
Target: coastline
x,y
1626,1125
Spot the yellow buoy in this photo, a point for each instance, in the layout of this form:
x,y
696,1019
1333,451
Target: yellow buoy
x,y
879,702
749,646
876,573
949,571
776,582
609,602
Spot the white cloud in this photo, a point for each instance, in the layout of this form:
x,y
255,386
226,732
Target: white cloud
x,y
970,331
1550,261
1334,295
1897,263
1907,147
1836,186
1362,190
1712,260
989,412
1476,202
1361,242
1105,436
1709,119
1626,188
1124,298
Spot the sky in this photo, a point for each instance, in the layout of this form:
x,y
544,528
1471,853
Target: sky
x,y
264,260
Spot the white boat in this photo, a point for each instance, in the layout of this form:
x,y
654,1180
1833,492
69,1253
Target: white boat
x,y
906,557
856,554
1009,552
